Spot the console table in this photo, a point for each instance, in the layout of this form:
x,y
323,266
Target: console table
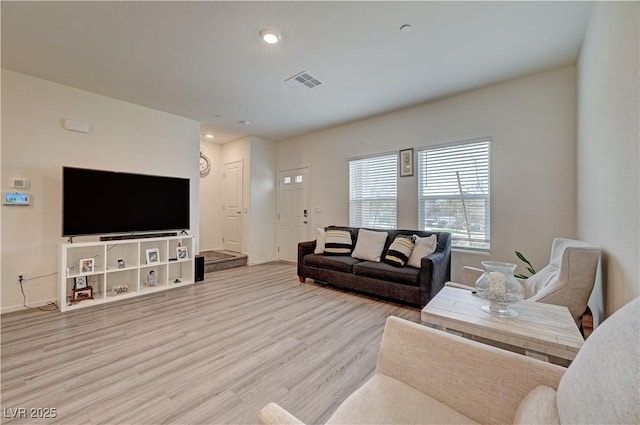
x,y
544,331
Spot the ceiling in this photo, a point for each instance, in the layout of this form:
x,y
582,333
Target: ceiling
x,y
205,61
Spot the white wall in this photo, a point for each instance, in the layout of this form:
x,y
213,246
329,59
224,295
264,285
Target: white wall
x,y
532,122
240,150
259,196
123,137
211,199
263,201
608,147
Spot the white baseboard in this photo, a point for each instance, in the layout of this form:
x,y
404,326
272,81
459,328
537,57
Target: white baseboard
x,y
34,304
255,263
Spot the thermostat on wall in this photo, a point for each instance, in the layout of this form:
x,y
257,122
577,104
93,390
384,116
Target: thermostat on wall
x,y
19,183
13,198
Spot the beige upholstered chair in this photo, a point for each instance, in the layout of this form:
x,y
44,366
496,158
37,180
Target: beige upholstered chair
x,y
426,376
567,280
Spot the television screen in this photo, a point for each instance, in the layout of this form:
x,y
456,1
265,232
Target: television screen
x,y
100,202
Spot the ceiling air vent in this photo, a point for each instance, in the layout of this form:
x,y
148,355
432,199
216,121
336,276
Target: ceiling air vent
x,y
303,81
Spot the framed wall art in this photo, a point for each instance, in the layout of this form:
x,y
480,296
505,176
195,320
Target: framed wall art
x,y
406,162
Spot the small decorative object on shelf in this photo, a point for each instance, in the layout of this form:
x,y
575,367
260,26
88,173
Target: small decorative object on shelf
x,y
82,294
121,264
86,265
80,282
176,281
498,286
120,289
182,253
152,279
153,255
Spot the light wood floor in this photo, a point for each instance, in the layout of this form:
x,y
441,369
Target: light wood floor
x,y
213,353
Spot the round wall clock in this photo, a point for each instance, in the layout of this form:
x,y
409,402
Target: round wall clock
x,y
205,164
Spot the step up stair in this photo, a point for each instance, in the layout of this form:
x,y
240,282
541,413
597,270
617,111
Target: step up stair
x,y
215,260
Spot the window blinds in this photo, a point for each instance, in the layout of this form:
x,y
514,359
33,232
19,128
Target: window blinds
x,y
453,192
373,191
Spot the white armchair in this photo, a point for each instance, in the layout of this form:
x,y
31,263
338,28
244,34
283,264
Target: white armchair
x,y
426,376
567,280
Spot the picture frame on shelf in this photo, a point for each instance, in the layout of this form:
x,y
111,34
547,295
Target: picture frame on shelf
x,y
80,282
182,253
406,162
153,255
121,264
87,265
82,294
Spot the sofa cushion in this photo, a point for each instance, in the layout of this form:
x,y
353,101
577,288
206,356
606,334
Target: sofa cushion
x,y
338,242
383,271
369,245
399,251
337,263
320,240
385,400
538,407
423,247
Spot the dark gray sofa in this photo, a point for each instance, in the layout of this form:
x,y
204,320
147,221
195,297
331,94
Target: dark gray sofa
x,y
403,284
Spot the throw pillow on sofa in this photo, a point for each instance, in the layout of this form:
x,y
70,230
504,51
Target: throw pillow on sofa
x,y
423,247
320,240
337,242
399,251
369,245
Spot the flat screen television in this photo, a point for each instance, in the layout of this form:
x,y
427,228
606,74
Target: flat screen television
x,y
96,202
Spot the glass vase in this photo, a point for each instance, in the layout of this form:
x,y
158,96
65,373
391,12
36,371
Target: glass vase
x,y
498,286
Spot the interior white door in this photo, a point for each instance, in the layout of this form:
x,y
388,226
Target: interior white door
x,y
232,206
293,212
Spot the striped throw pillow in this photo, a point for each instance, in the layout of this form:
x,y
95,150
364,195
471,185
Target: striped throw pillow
x,y
399,251
337,242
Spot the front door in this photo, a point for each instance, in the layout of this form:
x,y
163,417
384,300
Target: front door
x,y
232,206
293,212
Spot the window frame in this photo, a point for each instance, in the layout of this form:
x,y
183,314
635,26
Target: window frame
x,y
483,245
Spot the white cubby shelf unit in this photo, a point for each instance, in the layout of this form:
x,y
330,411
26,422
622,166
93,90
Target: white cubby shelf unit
x,y
123,263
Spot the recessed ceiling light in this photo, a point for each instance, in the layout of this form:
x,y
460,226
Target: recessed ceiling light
x,y
209,136
405,28
270,36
